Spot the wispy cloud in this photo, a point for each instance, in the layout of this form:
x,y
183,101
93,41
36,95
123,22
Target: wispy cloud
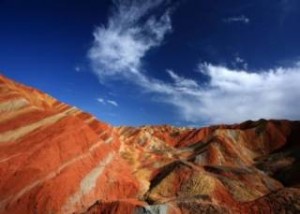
x,y
181,82
130,33
229,95
239,62
100,100
238,95
242,19
110,102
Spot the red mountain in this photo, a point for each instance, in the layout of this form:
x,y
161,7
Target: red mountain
x,y
54,158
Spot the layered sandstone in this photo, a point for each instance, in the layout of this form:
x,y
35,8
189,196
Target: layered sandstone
x,y
54,158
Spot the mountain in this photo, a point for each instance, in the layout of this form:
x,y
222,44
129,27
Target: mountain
x,y
55,158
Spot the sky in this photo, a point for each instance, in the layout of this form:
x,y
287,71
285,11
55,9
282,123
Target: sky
x,y
140,62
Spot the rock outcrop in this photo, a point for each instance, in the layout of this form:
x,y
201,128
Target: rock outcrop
x,y
54,158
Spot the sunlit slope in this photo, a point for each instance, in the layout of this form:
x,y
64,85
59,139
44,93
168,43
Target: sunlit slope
x,y
54,158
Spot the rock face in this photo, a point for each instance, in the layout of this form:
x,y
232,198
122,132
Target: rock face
x,y
54,158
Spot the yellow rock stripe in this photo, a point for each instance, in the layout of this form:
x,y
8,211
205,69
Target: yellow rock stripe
x,y
15,134
87,184
12,105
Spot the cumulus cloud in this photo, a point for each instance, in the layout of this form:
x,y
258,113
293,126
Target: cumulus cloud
x,y
110,102
119,46
241,18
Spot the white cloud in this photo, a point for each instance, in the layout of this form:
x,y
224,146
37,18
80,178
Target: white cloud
x,y
181,82
240,63
241,18
238,95
119,47
110,102
100,100
230,95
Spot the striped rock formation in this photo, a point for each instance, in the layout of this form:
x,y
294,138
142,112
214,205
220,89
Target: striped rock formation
x,y
57,159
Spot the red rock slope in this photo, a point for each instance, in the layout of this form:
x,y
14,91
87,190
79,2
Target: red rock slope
x,y
57,159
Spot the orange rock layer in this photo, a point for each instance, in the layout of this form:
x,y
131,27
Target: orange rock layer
x,y
54,158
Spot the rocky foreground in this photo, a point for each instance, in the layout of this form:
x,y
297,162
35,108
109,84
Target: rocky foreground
x,y
54,158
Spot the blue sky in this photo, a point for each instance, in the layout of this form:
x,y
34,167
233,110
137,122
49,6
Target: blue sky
x,y
181,62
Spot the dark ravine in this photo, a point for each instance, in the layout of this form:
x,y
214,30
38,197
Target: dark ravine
x,y
55,158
